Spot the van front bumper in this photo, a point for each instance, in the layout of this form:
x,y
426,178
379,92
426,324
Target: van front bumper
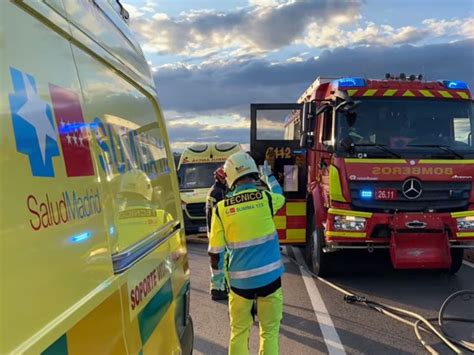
x,y
195,225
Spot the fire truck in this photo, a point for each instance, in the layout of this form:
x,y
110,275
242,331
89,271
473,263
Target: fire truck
x,y
373,164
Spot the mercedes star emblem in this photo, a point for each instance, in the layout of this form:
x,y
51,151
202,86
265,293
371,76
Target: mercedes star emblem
x,y
412,189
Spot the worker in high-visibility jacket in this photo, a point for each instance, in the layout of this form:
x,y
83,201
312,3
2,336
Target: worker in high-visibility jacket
x,y
243,224
217,193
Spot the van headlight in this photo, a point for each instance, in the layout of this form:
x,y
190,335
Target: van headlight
x,y
349,223
465,223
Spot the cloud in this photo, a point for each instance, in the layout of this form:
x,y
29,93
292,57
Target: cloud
x,y
321,36
269,25
264,26
211,102
462,27
232,84
183,134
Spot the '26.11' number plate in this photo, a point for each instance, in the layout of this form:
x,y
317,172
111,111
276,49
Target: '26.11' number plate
x,y
385,194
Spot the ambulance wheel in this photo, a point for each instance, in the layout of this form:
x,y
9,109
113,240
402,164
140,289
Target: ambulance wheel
x,y
319,262
457,256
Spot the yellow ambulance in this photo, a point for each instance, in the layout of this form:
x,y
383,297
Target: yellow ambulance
x,y
195,174
92,247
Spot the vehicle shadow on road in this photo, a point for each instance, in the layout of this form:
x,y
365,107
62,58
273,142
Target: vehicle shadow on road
x,y
317,343
373,275
204,346
306,326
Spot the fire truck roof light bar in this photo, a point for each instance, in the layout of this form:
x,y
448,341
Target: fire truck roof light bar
x,y
351,82
455,84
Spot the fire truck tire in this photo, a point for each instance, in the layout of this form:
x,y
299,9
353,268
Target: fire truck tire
x,y
319,262
457,256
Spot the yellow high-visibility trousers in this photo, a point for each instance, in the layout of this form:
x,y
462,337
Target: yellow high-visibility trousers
x,y
270,313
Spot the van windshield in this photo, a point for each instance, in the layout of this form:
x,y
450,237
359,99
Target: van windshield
x,y
197,176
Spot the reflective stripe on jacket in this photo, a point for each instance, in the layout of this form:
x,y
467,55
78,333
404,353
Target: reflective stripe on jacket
x,y
243,223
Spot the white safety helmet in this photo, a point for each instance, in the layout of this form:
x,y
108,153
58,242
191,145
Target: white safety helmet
x,y
137,182
238,165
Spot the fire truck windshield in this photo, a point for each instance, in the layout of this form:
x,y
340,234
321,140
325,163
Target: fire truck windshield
x,y
407,127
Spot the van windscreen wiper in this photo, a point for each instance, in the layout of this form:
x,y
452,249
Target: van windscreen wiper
x,y
382,147
445,148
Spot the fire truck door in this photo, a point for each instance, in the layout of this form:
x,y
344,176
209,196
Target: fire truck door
x,y
275,136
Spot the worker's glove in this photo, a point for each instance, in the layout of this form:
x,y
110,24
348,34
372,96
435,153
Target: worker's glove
x,y
269,179
265,171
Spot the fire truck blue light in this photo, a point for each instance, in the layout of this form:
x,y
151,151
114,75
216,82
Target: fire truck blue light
x,y
455,84
351,82
366,194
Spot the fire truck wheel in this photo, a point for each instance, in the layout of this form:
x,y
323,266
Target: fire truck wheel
x,y
457,256
319,261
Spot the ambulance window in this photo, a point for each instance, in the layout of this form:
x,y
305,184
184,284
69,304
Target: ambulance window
x,y
132,162
141,203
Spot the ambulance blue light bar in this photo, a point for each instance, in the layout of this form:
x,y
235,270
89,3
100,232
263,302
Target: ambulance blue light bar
x,y
79,238
455,84
351,82
366,194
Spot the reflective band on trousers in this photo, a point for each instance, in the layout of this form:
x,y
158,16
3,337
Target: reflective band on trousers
x,y
255,272
253,242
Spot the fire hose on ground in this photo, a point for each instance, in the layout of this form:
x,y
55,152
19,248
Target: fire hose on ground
x,y
419,323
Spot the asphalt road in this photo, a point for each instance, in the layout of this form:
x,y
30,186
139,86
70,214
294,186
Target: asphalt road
x,y
317,320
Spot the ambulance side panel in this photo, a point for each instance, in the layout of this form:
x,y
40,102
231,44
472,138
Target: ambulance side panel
x,y
55,253
81,274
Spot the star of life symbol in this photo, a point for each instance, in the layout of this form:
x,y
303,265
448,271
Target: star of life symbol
x,y
33,124
34,127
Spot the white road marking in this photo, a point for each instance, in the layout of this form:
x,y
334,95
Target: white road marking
x,y
331,338
468,263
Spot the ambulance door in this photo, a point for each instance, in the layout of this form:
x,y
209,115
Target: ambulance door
x,y
275,136
143,210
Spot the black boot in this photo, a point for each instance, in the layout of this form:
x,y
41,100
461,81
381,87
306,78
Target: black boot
x,y
219,295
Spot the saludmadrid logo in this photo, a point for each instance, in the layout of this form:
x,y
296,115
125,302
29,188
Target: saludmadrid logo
x,y
47,211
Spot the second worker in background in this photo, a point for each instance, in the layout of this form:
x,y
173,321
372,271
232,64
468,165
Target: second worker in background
x,y
243,225
217,193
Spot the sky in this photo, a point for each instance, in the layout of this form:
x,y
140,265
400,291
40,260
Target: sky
x,y
211,58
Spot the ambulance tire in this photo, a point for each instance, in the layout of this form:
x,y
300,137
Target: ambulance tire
x,y
319,262
457,256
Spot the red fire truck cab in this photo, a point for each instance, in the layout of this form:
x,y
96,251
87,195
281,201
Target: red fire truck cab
x,y
374,164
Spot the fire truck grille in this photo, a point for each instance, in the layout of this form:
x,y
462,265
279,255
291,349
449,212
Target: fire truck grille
x,y
197,210
436,196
